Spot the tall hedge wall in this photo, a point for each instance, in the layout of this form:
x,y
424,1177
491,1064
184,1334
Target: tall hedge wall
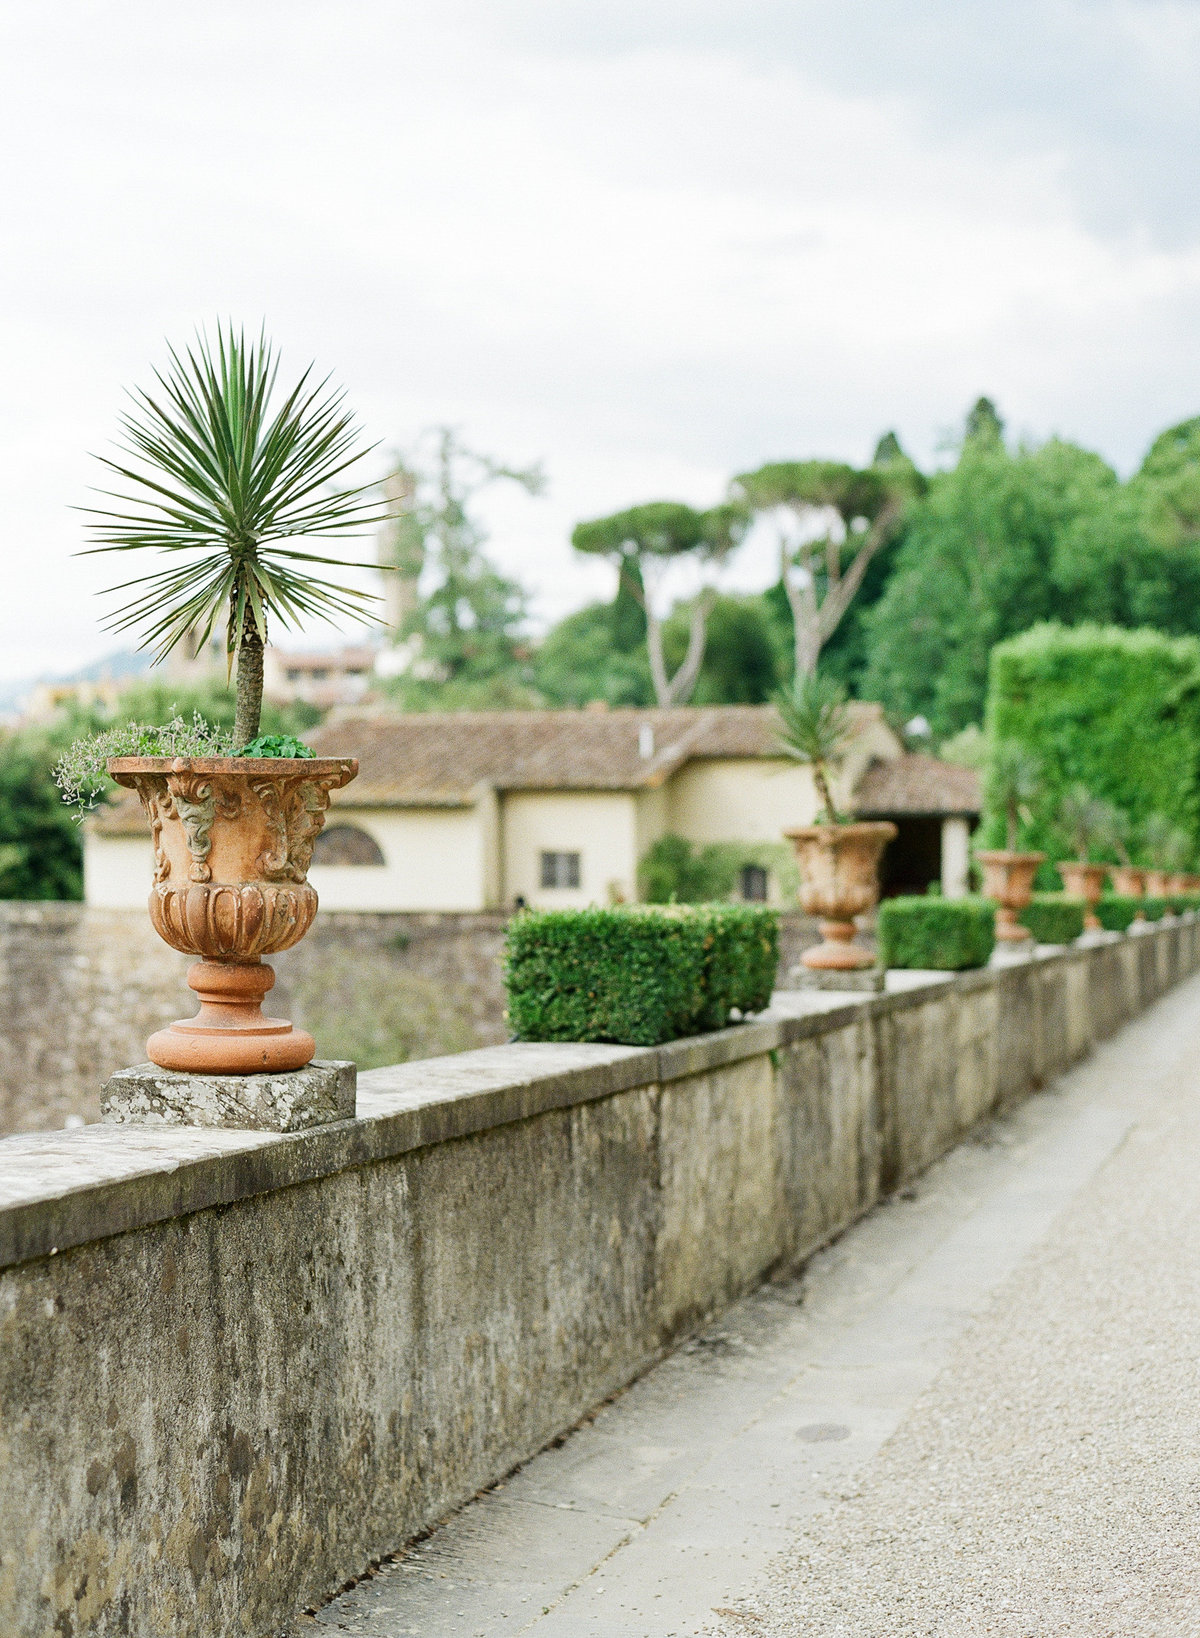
x,y
1117,710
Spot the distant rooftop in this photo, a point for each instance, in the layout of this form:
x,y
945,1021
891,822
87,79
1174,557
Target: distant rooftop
x,y
439,757
917,786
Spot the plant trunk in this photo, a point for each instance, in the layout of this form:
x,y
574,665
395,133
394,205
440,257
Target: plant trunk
x,y
802,600
249,683
1011,826
822,783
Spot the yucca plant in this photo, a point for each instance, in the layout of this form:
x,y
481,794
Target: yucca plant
x,y
1167,846
1085,821
224,470
1014,780
815,730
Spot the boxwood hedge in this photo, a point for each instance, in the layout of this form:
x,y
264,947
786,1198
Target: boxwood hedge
x,y
943,934
1115,911
1116,710
1054,918
637,975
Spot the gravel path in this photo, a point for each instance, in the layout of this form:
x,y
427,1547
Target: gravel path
x,y
1048,1482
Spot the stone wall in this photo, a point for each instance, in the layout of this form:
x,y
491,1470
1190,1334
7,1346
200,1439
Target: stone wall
x,y
82,988
237,1367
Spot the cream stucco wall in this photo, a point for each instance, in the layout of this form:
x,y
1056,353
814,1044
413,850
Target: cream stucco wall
x,y
740,800
434,859
601,826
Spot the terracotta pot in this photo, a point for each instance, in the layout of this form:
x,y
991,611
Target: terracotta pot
x,y
1156,883
839,879
1131,881
1177,883
1008,878
1084,881
233,839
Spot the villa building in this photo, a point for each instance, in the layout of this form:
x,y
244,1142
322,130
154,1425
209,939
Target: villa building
x,y
472,811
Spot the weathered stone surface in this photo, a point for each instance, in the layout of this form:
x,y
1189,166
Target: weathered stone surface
x,y
869,979
82,988
237,1366
291,1101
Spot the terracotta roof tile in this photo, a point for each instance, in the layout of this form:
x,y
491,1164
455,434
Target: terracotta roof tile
x,y
437,759
917,785
440,757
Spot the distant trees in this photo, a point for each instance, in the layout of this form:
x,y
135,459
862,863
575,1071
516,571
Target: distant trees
x,y
1006,538
833,520
461,625
644,540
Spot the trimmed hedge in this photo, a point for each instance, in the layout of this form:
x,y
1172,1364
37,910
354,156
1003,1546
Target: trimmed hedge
x,y
943,934
1116,710
1116,911
1177,903
1153,909
1054,918
638,975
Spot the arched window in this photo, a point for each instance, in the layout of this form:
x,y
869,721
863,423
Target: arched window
x,y
346,845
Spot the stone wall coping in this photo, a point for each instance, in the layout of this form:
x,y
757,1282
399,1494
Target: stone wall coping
x,y
66,1188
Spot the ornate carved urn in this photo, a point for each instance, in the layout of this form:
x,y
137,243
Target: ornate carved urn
x,y
839,879
233,839
1130,881
1084,881
1008,879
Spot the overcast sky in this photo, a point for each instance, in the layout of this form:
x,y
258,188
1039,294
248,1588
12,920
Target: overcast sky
x,y
648,242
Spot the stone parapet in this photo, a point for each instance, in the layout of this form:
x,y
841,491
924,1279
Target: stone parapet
x,y
238,1366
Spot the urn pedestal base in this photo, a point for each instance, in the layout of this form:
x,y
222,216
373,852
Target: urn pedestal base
x,y
146,1095
231,1035
837,953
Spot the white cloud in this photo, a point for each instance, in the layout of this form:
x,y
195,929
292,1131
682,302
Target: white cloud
x,y
649,267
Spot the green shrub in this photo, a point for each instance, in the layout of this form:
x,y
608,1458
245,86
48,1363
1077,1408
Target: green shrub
x,y
1116,911
1177,903
741,958
1053,918
637,975
1153,909
1117,711
943,934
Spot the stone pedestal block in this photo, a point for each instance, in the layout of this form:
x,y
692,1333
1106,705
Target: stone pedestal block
x,y
831,978
289,1101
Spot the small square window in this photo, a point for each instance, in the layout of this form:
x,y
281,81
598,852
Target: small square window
x,y
560,870
754,884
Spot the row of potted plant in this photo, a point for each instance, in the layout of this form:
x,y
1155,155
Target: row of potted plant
x,y
839,860
1088,826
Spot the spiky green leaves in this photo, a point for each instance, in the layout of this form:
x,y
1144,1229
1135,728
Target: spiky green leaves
x,y
222,468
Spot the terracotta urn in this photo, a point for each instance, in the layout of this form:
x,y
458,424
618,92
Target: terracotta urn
x,y
839,879
1129,880
1008,879
1084,881
1177,883
1156,883
233,839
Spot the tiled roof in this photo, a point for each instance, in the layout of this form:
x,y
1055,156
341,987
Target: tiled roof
x,y
440,757
916,785
437,759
